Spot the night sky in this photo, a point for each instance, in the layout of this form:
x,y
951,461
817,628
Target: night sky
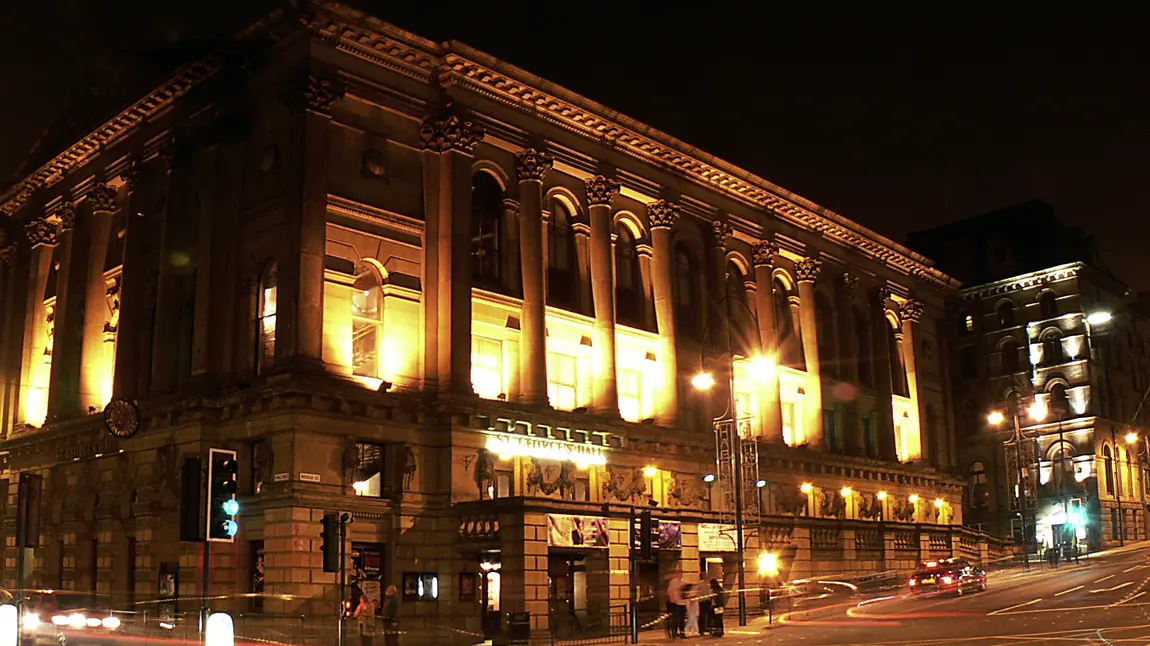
x,y
897,121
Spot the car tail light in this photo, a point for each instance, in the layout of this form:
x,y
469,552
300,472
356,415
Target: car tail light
x,y
947,580
912,583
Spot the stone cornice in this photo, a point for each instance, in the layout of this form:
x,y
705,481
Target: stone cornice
x,y
361,211
1023,281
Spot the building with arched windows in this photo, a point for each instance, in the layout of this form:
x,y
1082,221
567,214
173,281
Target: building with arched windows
x,y
1040,323
411,282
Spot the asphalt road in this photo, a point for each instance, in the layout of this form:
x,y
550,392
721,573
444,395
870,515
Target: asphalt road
x,y
1101,600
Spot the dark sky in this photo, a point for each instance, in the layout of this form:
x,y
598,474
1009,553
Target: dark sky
x,y
898,121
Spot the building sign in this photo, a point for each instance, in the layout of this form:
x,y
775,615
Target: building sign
x,y
507,446
576,531
87,451
714,537
667,535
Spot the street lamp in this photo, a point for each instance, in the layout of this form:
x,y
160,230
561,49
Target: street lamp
x,y
703,381
1037,412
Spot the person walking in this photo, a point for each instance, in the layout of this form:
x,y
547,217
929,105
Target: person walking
x,y
690,594
706,607
365,620
717,604
390,617
675,607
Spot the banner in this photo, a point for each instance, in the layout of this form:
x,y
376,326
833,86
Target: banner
x,y
576,531
667,536
714,537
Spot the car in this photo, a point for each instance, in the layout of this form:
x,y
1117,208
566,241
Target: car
x,y
62,618
947,575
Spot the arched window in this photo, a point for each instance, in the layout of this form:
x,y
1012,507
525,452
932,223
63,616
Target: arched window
x,y
628,283
366,320
486,216
1052,348
825,334
1006,314
1010,357
742,325
1108,465
897,369
1048,304
978,485
560,256
266,319
788,342
1059,403
1062,464
863,333
965,323
688,312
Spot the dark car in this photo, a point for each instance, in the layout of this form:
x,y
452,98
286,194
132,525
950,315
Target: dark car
x,y
947,575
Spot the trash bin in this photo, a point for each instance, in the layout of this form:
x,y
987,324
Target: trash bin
x,y
518,627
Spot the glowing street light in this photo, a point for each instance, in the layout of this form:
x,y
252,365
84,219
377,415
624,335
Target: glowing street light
x,y
709,478
845,492
806,487
768,564
1037,411
881,495
1098,318
764,368
913,498
650,471
759,484
939,502
703,381
995,417
1131,437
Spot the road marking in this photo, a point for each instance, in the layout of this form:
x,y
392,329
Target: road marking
x,y
1117,587
1021,605
1077,587
1104,578
1128,599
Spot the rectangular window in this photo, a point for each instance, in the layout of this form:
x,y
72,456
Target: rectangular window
x,y
789,423
503,488
630,395
748,416
561,386
487,367
870,436
420,587
369,470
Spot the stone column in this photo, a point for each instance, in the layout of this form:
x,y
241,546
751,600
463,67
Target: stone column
x,y
169,292
532,166
600,192
299,310
763,255
721,398
452,139
911,313
94,389
806,272
849,360
661,216
33,378
64,380
125,381
12,330
888,447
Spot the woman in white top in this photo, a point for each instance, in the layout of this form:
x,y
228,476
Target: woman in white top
x,y
693,591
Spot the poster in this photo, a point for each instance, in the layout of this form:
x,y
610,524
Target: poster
x,y
367,572
168,590
576,531
668,535
714,537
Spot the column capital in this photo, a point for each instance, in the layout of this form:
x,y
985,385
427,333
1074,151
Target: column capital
x,y
662,214
849,281
881,295
723,233
764,252
102,198
601,190
532,165
133,176
448,131
911,310
312,93
41,232
807,270
67,215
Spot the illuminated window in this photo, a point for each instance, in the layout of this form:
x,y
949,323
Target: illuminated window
x,y
366,321
368,478
1006,314
630,395
560,257
967,323
487,367
748,417
1108,465
561,387
50,330
629,297
266,319
789,423
978,485
486,232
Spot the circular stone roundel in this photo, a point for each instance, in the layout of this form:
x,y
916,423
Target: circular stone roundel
x,y
121,417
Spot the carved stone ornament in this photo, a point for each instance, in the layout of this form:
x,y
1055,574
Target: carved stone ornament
x,y
723,233
40,232
533,165
911,310
764,252
807,269
882,295
311,92
850,281
373,165
133,176
409,467
790,500
67,215
8,256
484,471
601,190
871,508
687,490
623,483
662,214
449,132
547,480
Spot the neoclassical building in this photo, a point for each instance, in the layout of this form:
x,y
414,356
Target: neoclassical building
x,y
476,311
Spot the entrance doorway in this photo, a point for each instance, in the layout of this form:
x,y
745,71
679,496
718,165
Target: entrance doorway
x,y
490,580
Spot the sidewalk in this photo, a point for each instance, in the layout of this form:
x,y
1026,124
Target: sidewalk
x,y
755,626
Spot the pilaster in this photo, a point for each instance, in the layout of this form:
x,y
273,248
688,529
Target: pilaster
x,y
41,235
910,312
64,380
763,255
531,167
806,272
137,205
600,192
94,357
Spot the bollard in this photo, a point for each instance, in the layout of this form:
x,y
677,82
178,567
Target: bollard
x,y
219,630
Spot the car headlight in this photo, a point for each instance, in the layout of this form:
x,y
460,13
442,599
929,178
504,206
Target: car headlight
x,y
77,620
947,580
59,620
111,623
31,621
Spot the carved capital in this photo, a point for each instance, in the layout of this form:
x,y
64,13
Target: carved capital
x,y
449,132
723,233
763,253
911,310
41,232
8,256
601,190
882,295
102,198
807,270
533,165
662,214
313,93
67,215
850,281
133,175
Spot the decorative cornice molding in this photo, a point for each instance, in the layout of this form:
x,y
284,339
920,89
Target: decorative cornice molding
x,y
449,131
532,165
911,310
314,93
601,190
41,232
763,253
361,211
723,233
1025,281
662,214
807,270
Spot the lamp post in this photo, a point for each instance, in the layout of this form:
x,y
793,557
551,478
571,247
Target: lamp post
x,y
1037,412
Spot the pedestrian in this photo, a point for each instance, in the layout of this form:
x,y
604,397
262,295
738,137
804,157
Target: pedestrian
x,y
690,594
718,603
706,608
365,620
390,617
675,606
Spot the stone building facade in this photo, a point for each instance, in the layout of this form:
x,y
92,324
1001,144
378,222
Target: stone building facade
x,y
414,283
1024,341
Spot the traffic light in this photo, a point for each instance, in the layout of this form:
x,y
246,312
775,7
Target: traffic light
x,y
331,541
28,502
192,500
223,480
646,531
